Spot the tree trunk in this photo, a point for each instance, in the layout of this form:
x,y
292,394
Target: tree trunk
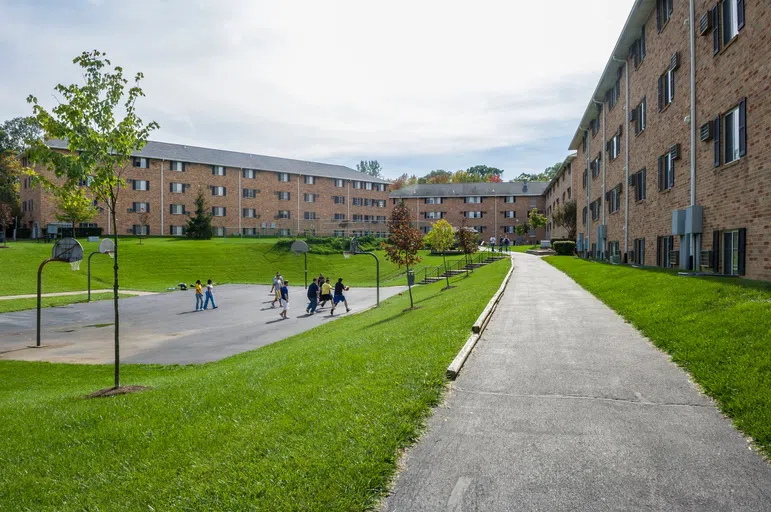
x,y
409,287
446,273
115,298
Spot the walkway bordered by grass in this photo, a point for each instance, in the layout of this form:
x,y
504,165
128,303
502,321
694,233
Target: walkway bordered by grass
x,y
314,422
9,306
161,263
718,329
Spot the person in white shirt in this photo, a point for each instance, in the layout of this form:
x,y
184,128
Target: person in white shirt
x,y
209,296
276,289
492,243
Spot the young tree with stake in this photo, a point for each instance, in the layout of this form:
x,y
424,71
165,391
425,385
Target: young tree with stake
x,y
404,243
441,239
99,123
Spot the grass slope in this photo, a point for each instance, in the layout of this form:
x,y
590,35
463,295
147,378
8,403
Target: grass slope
x,y
8,306
718,329
160,263
314,422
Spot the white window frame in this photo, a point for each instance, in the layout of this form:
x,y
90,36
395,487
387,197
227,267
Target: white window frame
x,y
249,193
510,214
218,170
669,87
177,209
179,186
433,200
248,213
218,211
284,214
669,168
218,191
140,185
338,199
248,231
381,203
177,230
309,180
510,199
249,174
731,125
284,196
730,245
339,183
357,184
144,229
473,199
730,23
309,198
176,166
283,177
219,230
338,217
474,215
144,163
615,147
140,207
433,215
368,185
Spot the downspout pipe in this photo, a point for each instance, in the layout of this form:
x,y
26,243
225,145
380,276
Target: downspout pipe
x,y
588,234
626,154
601,243
163,206
695,237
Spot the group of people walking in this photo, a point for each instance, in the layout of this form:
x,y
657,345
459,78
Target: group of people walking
x,y
199,302
319,293
503,244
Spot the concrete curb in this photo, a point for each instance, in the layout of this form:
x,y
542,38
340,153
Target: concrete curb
x,y
478,328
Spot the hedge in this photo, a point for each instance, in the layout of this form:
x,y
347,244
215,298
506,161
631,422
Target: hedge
x,y
565,248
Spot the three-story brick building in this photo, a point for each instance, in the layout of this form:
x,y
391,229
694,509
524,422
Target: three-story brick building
x,y
674,145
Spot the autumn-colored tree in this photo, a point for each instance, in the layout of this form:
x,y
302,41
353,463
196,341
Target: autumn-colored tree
x,y
98,121
399,182
467,239
441,239
404,243
495,178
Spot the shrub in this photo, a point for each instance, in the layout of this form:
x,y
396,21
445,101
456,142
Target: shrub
x,y
565,248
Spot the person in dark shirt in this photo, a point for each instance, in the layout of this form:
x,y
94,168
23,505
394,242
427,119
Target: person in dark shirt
x,y
339,297
313,297
284,299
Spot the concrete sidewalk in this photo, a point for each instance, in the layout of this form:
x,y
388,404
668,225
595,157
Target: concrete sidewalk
x,y
564,406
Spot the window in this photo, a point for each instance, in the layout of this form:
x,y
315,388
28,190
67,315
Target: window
x,y
595,165
219,231
309,180
640,116
176,230
368,186
433,215
358,217
570,193
177,209
479,229
380,187
356,184
473,215
284,232
613,248
218,211
510,199
381,203
250,193
249,231
177,166
24,206
734,251
88,225
338,233
666,172
177,188
667,82
664,10
731,19
381,218
141,163
283,214
638,253
614,145
283,196
584,216
595,125
511,214
637,51
249,213
140,229
612,96
339,216
614,199
595,206
309,198
369,202
731,135
217,170
357,201
533,202
140,185
585,178
638,182
665,251
508,229
338,199
283,177
218,191
339,183
583,141
140,208
473,200
250,174
433,200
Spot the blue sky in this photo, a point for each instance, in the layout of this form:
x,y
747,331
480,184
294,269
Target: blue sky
x,y
417,85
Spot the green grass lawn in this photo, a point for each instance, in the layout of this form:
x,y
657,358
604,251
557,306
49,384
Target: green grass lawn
x,y
314,422
160,263
719,329
7,306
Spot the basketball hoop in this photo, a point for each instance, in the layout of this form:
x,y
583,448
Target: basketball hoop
x,y
346,255
75,265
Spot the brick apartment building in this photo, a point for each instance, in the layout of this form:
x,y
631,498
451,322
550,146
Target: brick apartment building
x,y
490,208
559,191
673,163
247,194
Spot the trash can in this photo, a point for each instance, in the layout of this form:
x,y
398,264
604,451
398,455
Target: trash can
x,y
411,278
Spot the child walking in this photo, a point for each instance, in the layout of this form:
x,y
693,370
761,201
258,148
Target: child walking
x,y
284,298
198,296
209,296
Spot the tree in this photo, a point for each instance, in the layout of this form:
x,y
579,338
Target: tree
x,y
99,122
199,227
16,136
536,220
465,177
436,177
371,167
73,206
399,182
404,243
144,218
441,239
546,175
522,229
483,172
467,239
565,216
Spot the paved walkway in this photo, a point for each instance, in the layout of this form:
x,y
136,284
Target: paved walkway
x,y
165,328
564,406
65,294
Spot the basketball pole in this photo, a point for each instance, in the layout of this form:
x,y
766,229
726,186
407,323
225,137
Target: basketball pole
x,y
39,299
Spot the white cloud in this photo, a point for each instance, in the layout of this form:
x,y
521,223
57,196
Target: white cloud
x,y
330,79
